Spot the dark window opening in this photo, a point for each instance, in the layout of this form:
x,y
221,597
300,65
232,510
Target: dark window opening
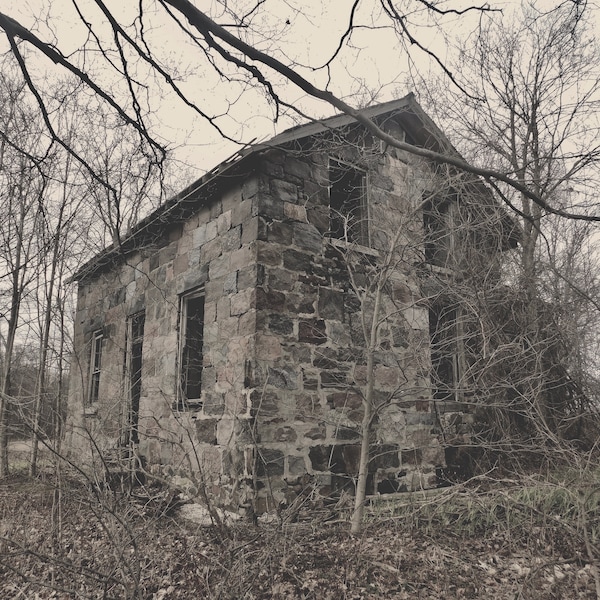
x,y
95,367
436,223
347,203
136,333
444,359
192,341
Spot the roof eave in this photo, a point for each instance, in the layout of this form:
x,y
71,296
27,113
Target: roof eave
x,y
175,210
419,126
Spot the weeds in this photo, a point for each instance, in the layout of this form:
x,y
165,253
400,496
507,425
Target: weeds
x,y
467,541
474,509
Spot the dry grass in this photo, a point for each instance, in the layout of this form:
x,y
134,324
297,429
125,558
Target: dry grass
x,y
519,541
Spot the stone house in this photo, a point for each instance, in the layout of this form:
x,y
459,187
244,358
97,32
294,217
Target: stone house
x,y
226,336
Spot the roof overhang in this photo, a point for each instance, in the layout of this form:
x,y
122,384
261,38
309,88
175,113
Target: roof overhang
x,y
406,111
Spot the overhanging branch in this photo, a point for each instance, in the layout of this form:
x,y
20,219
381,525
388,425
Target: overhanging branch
x,y
211,32
208,28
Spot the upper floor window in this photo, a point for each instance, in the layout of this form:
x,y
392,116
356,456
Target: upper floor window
x,y
95,367
437,224
191,350
348,215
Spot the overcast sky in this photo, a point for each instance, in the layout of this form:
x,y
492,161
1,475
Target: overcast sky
x,y
305,32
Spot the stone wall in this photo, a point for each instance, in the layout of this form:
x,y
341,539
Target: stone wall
x,y
309,375
284,350
215,250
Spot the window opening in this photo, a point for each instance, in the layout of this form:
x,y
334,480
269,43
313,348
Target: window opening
x,y
191,360
347,203
95,367
438,233
444,353
136,341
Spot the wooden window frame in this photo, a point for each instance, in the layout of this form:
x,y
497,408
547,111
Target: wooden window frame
x,y
97,342
184,402
341,175
134,339
446,348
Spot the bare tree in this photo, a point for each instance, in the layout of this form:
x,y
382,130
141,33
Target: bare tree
x,y
531,112
125,184
241,47
23,188
537,84
60,224
371,282
49,224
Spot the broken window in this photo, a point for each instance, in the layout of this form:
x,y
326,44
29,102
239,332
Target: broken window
x,y
438,232
444,352
348,203
135,331
95,367
191,351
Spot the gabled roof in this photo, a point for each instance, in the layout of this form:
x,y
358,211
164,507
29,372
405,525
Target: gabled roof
x,y
413,118
421,129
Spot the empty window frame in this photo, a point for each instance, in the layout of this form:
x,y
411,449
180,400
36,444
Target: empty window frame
x,y
348,214
95,367
444,352
191,355
135,332
437,224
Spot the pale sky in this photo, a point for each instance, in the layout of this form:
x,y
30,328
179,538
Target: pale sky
x,y
306,32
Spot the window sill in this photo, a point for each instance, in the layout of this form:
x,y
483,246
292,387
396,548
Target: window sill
x,y
90,410
190,407
345,246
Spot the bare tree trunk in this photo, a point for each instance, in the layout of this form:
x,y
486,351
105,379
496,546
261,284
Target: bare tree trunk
x,y
57,428
17,286
365,445
39,393
44,341
3,434
6,375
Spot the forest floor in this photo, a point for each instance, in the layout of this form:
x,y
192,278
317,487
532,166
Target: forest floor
x,y
505,542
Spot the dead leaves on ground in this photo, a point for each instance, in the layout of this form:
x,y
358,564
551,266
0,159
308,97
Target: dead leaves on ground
x,y
88,549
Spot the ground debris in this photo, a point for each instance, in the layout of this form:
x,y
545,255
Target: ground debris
x,y
79,544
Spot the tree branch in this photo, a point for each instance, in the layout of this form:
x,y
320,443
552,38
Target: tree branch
x,y
14,29
207,26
